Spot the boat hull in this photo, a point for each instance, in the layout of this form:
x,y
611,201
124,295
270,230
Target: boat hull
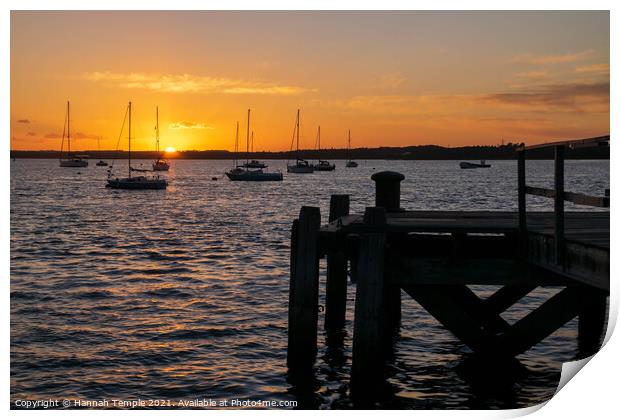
x,y
300,169
469,165
137,183
161,167
254,176
73,163
325,167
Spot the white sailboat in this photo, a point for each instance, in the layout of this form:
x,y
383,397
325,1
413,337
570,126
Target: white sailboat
x,y
101,161
244,172
323,165
140,182
71,161
350,163
160,164
301,166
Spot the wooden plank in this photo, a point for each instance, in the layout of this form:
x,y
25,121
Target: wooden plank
x,y
304,290
485,315
576,198
473,271
601,141
592,321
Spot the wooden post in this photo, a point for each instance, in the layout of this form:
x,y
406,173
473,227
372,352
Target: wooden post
x,y
368,332
559,205
370,311
336,287
592,321
522,204
304,290
387,190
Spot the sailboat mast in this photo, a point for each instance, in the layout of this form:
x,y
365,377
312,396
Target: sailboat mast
x,y
237,146
319,138
129,137
252,142
247,141
157,128
298,131
68,130
349,148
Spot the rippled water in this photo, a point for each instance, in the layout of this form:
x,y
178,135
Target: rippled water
x,y
182,294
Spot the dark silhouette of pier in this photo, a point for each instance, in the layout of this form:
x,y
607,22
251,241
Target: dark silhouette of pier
x,y
434,256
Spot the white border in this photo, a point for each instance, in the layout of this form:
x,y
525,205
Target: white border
x,y
591,395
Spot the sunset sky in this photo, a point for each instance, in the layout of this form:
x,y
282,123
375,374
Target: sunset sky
x,y
393,78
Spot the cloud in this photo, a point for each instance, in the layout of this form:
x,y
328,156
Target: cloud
x,y
392,80
53,136
580,97
594,69
24,121
87,136
189,125
31,134
187,83
552,59
533,75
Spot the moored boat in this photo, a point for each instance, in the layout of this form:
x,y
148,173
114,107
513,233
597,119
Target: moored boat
x,y
350,163
70,161
301,166
322,165
140,182
160,164
470,165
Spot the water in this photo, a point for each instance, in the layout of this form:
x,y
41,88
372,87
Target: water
x,y
182,294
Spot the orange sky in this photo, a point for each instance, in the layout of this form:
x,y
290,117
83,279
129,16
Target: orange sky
x,y
393,78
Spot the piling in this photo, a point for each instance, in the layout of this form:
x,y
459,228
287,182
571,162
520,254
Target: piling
x,y
336,285
304,290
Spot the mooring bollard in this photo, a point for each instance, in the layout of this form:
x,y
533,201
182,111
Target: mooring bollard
x,y
387,190
336,285
304,290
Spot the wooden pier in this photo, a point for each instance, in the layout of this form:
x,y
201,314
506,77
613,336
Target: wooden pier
x,y
434,256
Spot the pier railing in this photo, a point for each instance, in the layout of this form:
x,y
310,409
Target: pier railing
x,y
558,194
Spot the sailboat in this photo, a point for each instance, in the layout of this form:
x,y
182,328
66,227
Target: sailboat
x,y
101,162
243,172
323,165
139,182
71,161
301,166
350,163
160,164
254,164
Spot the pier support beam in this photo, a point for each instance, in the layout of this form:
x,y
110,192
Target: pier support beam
x,y
336,287
304,290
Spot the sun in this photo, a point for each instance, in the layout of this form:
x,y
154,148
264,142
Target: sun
x,y
170,149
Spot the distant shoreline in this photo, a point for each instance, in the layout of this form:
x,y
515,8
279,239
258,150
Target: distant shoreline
x,y
429,152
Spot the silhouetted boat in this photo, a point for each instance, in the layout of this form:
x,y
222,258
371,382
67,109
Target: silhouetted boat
x,y
160,164
71,161
469,165
101,162
322,165
350,163
140,182
243,172
301,166
254,164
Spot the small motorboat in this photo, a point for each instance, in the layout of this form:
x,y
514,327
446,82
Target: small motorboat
x,y
101,163
73,162
351,164
161,165
470,165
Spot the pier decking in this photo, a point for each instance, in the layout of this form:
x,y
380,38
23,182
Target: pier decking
x,y
434,256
